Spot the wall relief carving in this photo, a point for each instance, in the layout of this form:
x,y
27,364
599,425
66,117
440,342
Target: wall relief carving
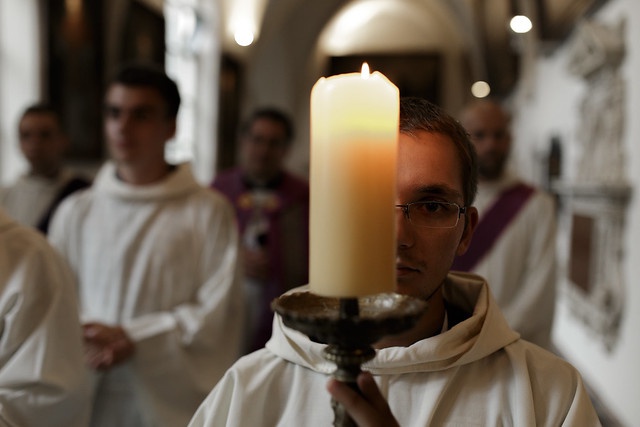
x,y
595,200
595,56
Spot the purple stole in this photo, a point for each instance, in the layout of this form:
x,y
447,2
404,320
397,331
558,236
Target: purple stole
x,y
492,224
287,239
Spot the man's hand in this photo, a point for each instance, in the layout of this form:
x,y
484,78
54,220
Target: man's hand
x,y
256,263
105,346
368,410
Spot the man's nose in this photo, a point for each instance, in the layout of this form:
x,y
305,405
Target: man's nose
x,y
404,230
495,138
123,122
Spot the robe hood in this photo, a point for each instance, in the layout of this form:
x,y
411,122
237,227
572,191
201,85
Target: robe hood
x,y
176,184
466,342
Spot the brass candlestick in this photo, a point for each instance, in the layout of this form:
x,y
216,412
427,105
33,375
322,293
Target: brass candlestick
x,y
349,327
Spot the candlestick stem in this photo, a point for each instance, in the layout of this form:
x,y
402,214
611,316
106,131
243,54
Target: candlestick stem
x,y
349,308
348,360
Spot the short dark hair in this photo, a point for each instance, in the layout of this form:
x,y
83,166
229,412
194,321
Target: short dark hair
x,y
418,114
273,114
151,76
41,108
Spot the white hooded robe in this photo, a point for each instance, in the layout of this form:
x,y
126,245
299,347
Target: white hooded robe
x,y
43,380
478,373
521,266
28,199
161,260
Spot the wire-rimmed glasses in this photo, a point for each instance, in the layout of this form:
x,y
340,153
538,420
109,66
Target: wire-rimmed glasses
x,y
433,214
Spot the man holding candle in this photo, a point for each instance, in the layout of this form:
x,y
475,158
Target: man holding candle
x,y
460,365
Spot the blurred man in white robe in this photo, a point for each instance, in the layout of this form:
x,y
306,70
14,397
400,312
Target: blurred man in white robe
x,y
43,379
33,197
156,256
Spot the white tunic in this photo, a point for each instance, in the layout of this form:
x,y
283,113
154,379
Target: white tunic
x,y
29,198
521,266
43,381
478,373
160,260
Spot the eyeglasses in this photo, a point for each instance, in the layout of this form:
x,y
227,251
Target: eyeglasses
x,y
433,214
258,139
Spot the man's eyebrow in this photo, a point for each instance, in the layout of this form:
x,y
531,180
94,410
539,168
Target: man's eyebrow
x,y
142,108
439,190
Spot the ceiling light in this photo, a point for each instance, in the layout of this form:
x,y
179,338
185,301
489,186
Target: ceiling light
x,y
244,37
480,89
520,24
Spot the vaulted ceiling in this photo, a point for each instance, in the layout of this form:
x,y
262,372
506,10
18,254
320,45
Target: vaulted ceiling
x,y
482,26
500,47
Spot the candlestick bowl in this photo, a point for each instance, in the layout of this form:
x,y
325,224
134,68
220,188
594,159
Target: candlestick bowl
x,y
349,327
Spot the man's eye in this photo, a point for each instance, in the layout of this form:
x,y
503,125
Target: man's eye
x,y
500,135
429,207
258,139
478,135
142,115
434,207
111,112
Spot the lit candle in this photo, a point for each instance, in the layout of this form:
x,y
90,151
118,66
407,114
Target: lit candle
x,y
354,138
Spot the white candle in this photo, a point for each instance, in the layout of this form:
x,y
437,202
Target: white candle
x,y
354,138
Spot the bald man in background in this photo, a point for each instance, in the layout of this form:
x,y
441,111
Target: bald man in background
x,y
514,244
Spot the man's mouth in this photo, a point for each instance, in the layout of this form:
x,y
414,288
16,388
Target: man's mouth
x,y
404,269
121,142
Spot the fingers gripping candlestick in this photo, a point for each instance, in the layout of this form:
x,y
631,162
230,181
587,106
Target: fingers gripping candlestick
x,y
350,306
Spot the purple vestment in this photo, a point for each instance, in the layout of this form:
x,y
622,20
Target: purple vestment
x,y
284,206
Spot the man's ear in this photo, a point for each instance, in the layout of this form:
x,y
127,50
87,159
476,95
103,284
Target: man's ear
x,y
171,131
64,143
470,223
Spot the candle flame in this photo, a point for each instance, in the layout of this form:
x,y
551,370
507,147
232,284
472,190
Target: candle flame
x,y
365,70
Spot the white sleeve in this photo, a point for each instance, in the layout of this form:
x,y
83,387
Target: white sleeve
x,y
531,311
43,380
193,343
219,296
